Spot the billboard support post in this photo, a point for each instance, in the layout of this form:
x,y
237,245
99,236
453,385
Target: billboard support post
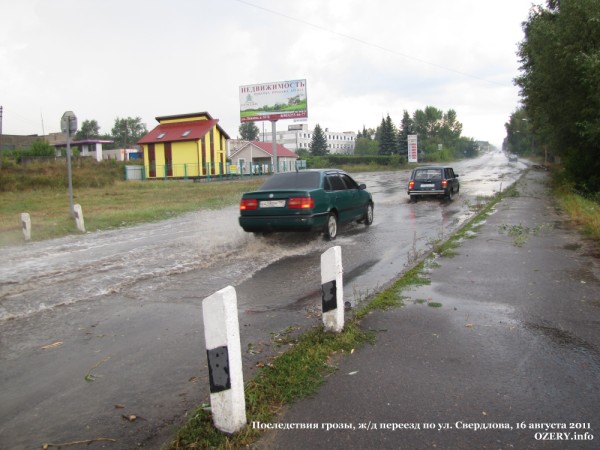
x,y
274,138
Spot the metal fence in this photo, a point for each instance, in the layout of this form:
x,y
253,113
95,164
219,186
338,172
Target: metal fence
x,y
208,171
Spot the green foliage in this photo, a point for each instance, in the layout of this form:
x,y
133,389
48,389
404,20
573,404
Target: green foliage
x,y
53,175
366,146
318,145
128,131
249,131
366,133
89,130
560,81
406,129
388,137
41,148
339,160
519,135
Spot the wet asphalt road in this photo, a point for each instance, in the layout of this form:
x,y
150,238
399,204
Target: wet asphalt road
x,y
500,351
106,325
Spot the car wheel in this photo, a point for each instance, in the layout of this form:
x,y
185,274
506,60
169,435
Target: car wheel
x,y
414,199
368,219
450,195
331,227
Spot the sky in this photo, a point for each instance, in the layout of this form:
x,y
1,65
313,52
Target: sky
x,y
109,59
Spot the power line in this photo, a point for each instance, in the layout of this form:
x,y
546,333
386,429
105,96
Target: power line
x,y
369,44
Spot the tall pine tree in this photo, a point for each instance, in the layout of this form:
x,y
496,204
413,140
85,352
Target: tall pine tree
x,y
318,144
388,139
406,129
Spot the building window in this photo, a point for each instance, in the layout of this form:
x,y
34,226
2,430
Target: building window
x,y
161,135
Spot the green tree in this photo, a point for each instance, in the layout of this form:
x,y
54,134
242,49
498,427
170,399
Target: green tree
x,y
467,147
427,123
367,133
249,131
519,139
406,129
560,84
128,131
451,128
388,137
89,130
366,146
318,143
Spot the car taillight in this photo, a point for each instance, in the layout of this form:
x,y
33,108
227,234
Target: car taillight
x,y
411,184
301,203
248,204
444,183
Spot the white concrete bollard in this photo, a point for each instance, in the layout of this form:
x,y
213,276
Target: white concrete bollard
x,y
224,353
26,225
79,218
332,289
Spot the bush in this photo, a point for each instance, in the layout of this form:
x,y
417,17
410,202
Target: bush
x,y
391,161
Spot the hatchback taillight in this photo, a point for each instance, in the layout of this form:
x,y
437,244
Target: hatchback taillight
x,y
248,204
301,203
444,184
411,184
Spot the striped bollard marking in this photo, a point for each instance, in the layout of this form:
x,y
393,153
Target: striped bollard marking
x,y
26,225
223,350
332,289
79,218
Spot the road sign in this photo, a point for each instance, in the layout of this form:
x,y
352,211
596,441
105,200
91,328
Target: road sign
x,y
68,123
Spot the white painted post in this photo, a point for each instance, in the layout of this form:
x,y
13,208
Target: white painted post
x,y
26,225
224,353
79,218
332,289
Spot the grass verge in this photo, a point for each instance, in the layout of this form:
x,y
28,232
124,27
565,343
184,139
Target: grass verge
x,y
123,203
295,374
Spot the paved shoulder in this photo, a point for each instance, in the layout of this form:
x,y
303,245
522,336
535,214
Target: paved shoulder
x,y
502,350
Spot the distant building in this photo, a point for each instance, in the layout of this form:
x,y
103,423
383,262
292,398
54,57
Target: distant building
x,y
186,145
87,147
17,142
299,137
257,157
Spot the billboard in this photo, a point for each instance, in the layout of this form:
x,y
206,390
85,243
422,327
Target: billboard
x,y
273,101
412,148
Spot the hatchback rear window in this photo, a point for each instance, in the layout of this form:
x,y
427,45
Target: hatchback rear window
x,y
428,174
292,180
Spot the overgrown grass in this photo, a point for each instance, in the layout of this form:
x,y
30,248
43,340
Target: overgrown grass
x,y
295,374
121,203
52,174
584,212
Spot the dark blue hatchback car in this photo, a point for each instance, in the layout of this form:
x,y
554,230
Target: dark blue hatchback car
x,y
433,180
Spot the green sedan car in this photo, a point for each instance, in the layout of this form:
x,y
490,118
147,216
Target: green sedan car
x,y
307,200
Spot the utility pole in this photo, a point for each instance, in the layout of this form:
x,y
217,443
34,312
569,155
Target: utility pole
x,y
68,125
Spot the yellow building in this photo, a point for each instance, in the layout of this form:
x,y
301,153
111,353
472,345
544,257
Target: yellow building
x,y
186,145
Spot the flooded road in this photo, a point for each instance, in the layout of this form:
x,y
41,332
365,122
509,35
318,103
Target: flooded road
x,y
134,261
114,318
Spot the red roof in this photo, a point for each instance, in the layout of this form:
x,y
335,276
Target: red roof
x,y
268,147
179,131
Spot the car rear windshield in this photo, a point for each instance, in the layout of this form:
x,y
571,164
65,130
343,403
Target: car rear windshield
x,y
292,180
428,174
